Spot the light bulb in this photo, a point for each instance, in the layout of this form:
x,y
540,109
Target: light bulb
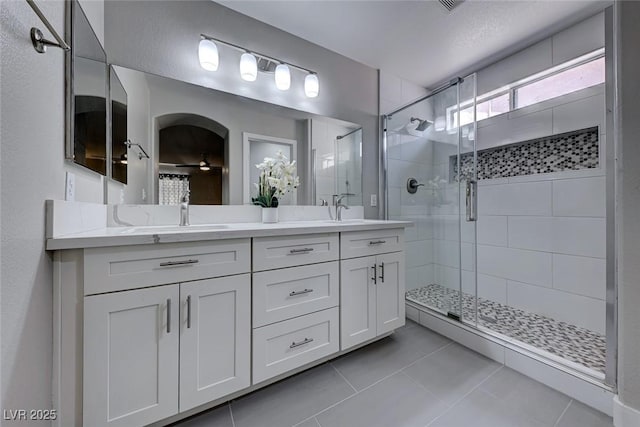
x,y
208,55
283,77
248,67
311,85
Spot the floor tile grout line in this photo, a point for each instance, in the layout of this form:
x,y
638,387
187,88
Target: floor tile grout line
x,y
450,343
373,384
233,422
563,412
343,377
465,395
424,388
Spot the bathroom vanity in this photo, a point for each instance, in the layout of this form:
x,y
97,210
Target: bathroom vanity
x,y
155,324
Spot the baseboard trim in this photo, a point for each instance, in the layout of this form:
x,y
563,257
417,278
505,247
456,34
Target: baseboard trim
x,y
623,415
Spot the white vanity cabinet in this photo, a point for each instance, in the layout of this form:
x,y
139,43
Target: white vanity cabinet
x,y
295,309
149,333
154,352
371,285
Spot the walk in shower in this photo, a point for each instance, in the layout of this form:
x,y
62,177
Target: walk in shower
x,y
509,233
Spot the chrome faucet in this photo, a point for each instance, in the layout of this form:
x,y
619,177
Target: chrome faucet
x,y
339,206
184,209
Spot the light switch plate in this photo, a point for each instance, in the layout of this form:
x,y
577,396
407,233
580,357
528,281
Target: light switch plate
x,y
70,187
374,200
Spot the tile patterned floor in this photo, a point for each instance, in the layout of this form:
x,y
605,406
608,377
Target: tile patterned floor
x,y
414,378
568,341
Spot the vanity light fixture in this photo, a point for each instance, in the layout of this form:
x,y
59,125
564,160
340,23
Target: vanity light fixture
x,y
283,77
248,67
251,62
208,55
311,85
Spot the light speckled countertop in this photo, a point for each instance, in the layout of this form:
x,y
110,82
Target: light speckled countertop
x,y
142,235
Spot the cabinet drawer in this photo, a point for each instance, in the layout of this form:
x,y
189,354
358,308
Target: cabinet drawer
x,y
291,292
128,267
293,343
279,252
364,243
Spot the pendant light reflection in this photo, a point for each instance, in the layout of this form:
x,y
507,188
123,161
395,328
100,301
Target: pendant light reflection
x,y
248,67
283,77
311,85
208,55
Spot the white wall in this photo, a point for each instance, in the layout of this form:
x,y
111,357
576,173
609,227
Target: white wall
x,y
32,127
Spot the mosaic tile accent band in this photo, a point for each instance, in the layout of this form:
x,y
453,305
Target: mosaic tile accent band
x,y
568,341
567,151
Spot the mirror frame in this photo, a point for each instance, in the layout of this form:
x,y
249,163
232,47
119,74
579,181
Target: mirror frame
x,y
69,78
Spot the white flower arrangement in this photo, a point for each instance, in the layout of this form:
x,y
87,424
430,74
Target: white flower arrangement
x,y
277,178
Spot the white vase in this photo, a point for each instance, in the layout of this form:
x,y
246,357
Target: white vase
x,y
269,215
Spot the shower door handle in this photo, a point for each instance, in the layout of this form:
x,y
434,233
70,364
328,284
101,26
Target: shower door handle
x,y
472,200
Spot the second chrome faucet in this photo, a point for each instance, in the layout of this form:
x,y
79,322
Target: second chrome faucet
x,y
184,209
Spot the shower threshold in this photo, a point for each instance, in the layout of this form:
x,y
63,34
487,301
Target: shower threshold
x,y
567,342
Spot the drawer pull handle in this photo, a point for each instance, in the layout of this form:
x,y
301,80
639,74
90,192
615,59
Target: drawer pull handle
x,y
300,251
375,275
377,242
189,312
302,292
168,315
382,270
176,263
303,342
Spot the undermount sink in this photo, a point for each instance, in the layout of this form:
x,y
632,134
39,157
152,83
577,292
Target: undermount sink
x,y
346,221
152,229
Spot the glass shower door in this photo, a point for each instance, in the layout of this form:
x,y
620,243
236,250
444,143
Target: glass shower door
x,y
425,149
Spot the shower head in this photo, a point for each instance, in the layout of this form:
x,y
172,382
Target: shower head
x,y
422,125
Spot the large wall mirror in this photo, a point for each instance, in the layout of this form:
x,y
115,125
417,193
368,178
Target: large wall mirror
x,y
86,94
209,142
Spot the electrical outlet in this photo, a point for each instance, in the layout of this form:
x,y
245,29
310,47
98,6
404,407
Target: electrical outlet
x,y
70,187
374,200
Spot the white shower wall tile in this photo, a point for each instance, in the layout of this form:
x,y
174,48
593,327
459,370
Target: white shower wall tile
x,y
575,309
579,197
531,232
492,288
580,114
512,127
580,236
580,275
516,264
531,198
419,253
492,230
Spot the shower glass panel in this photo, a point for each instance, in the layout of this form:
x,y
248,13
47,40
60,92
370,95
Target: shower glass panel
x,y
349,167
425,147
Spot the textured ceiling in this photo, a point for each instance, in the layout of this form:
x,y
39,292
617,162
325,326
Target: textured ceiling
x,y
420,40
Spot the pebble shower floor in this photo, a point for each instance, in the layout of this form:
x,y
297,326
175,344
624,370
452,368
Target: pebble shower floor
x,y
568,341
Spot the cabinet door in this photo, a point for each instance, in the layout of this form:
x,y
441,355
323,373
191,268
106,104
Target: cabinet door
x,y
131,357
357,301
215,340
390,292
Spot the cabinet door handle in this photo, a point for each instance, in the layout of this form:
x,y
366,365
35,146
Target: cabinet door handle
x,y
377,242
375,275
382,271
302,292
300,251
303,342
177,263
168,315
189,312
